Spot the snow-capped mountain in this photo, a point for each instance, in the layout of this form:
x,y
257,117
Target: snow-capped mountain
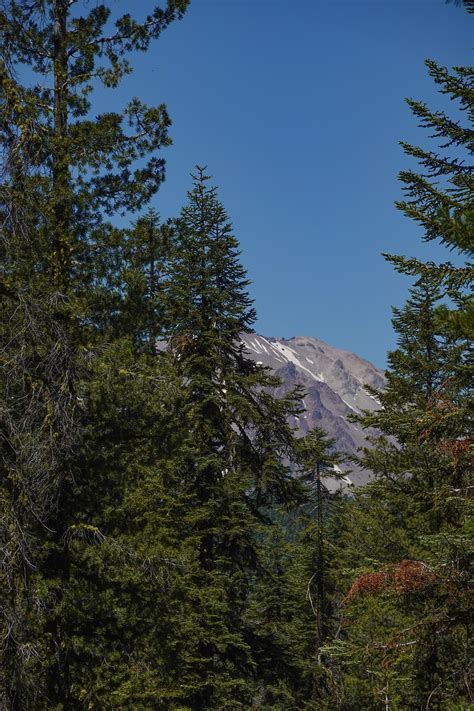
x,y
333,380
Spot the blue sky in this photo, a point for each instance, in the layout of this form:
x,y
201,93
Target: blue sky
x,y
297,107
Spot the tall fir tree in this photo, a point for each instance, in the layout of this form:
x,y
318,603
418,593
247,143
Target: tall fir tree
x,y
208,501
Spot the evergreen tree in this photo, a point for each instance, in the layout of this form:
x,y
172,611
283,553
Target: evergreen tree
x,y
120,601
207,503
316,455
293,612
405,595
408,619
208,308
441,199
62,172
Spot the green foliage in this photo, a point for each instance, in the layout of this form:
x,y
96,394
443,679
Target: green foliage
x,y
224,468
406,538
61,174
165,542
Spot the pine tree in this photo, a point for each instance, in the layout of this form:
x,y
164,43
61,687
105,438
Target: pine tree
x,y
62,174
121,592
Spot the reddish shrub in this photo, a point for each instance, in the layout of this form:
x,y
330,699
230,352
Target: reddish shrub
x,y
369,584
404,577
412,575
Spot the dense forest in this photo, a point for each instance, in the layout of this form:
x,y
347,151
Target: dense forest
x,y
166,542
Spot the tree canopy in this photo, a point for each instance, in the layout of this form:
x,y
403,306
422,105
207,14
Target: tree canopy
x,y
166,540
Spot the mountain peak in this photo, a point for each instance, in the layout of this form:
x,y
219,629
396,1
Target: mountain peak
x,y
334,380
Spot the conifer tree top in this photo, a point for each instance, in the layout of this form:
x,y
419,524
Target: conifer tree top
x,y
207,285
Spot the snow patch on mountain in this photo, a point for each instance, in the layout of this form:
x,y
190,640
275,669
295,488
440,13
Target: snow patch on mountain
x,y
291,356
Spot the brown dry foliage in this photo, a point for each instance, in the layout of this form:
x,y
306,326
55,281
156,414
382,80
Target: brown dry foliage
x,y
369,584
458,449
411,576
405,577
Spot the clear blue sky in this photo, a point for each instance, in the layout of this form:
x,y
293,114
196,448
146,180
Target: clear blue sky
x,y
297,107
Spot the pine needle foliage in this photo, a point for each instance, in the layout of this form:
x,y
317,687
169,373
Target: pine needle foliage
x,y
407,538
63,173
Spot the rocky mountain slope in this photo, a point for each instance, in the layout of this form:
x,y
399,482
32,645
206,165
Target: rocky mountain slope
x,y
333,380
